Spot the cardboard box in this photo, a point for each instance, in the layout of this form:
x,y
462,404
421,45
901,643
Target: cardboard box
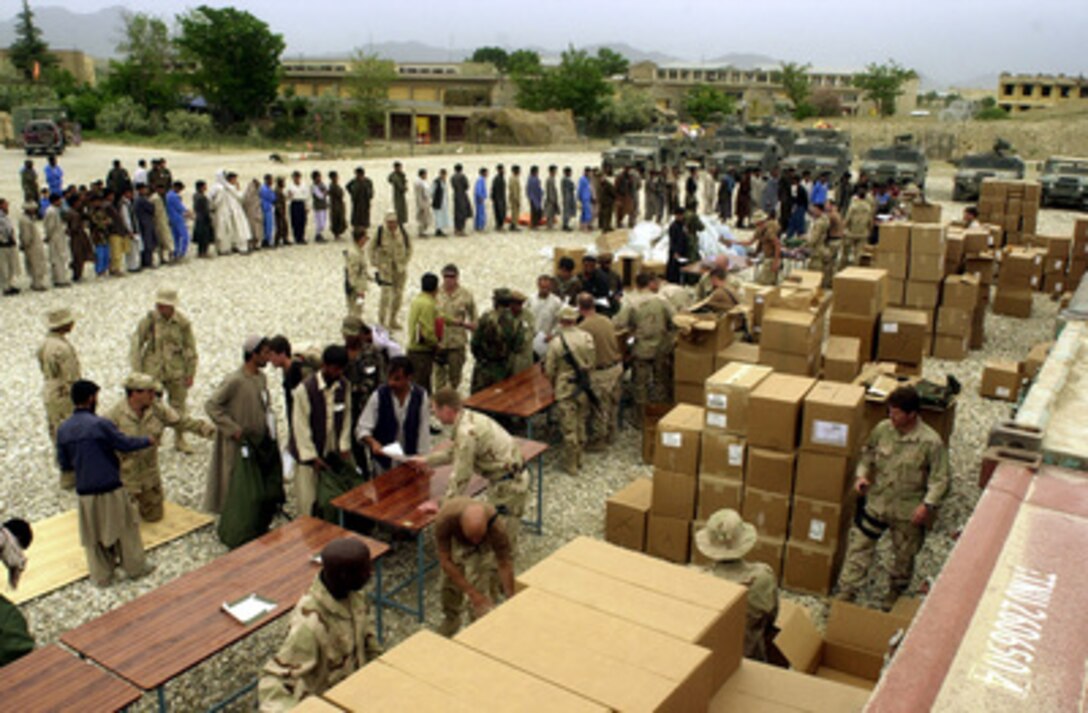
x,y
764,688
690,366
1013,303
954,321
925,213
842,358
980,266
769,550
897,290
976,241
770,471
678,435
455,669
926,240
1035,358
860,291
769,512
1001,380
893,238
688,394
823,476
790,331
651,414
673,494
1054,283
593,669
922,295
727,392
852,651
575,254
817,523
947,346
669,538
774,411
716,493
626,514
860,327
736,352
704,332
796,364
978,328
690,605
902,336
811,568
832,418
723,454
927,267
895,263
388,690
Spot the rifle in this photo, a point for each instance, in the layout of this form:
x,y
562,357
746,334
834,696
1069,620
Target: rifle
x,y
581,378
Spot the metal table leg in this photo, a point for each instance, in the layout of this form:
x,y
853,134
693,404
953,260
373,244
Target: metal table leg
x,y
161,691
421,572
379,598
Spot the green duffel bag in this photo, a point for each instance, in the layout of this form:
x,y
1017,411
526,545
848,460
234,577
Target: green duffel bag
x,y
254,495
341,476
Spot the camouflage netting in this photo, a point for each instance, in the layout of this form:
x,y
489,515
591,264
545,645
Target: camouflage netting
x,y
518,127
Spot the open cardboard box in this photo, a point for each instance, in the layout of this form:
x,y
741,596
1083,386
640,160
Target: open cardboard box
x,y
760,688
852,651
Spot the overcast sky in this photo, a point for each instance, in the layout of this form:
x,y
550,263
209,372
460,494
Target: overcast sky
x,y
945,39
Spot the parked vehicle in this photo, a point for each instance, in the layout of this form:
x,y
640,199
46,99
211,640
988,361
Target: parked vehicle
x,y
967,183
902,162
1065,182
744,152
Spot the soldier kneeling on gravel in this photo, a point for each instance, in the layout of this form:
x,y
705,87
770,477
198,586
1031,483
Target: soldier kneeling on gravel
x,y
902,478
726,539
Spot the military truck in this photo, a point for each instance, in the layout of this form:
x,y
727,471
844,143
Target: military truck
x,y
818,157
902,162
647,151
1065,182
784,136
839,137
998,163
743,152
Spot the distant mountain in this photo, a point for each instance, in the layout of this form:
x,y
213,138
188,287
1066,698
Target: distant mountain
x,y
95,33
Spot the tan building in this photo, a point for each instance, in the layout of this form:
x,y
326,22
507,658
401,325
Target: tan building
x,y
80,65
434,98
757,89
1025,92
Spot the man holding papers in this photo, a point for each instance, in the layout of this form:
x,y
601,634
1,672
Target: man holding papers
x,y
395,420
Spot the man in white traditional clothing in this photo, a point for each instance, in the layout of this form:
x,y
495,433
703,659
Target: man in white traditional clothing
x,y
440,202
422,193
231,227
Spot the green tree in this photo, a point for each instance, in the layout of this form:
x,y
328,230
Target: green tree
x,y
492,55
237,60
627,109
523,62
576,84
794,80
29,48
145,73
704,103
368,85
612,62
883,84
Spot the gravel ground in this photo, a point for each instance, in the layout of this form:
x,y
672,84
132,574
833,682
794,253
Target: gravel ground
x,y
297,291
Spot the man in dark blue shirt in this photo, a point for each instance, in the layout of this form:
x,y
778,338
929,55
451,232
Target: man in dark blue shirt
x,y
108,527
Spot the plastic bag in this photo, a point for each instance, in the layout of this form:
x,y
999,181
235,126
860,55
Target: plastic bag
x,y
254,495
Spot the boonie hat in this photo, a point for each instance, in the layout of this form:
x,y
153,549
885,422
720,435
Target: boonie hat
x,y
726,536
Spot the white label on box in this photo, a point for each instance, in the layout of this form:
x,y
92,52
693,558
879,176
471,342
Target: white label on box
x,y
671,439
1057,287
1058,265
1034,280
890,327
990,241
717,401
1002,392
759,299
717,420
1038,259
736,454
817,530
830,433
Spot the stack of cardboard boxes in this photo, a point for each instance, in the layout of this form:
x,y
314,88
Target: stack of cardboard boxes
x,y
859,296
893,255
842,358
962,313
790,341
701,337
1056,250
774,433
927,266
1078,261
1013,206
675,482
833,419
1019,276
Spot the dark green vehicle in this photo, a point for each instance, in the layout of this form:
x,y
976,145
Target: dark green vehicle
x,y
1065,182
818,157
647,151
902,162
738,153
999,163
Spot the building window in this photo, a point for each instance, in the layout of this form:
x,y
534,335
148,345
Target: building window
x,y
697,74
1064,92
711,76
660,74
1084,92
1027,90
684,74
762,78
672,74
1008,89
1045,90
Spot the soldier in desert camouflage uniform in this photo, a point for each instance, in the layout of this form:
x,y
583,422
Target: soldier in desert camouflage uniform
x,y
497,338
726,539
355,274
648,318
390,252
164,348
458,308
571,400
331,636
60,369
143,414
903,474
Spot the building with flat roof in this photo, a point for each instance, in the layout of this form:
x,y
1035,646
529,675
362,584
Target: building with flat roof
x,y
757,90
1018,93
80,64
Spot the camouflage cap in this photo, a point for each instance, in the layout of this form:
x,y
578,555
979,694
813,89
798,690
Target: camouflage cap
x,y
501,294
352,326
518,296
138,381
567,313
167,296
57,318
726,536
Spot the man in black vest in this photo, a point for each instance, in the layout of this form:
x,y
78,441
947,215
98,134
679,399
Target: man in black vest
x,y
320,423
397,413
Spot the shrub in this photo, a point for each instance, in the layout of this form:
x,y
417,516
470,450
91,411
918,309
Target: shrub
x,y
123,115
188,125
